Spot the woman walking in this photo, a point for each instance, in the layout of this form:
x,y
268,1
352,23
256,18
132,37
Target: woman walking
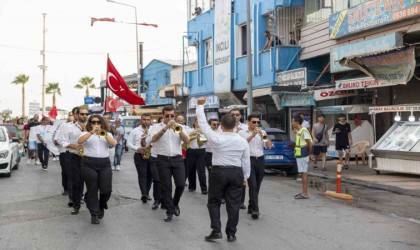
x,y
96,166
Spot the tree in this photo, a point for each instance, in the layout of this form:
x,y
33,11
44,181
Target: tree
x,y
53,88
22,79
85,82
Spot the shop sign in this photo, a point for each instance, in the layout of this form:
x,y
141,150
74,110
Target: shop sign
x,y
332,93
371,14
296,99
212,102
295,77
360,83
386,42
401,108
390,67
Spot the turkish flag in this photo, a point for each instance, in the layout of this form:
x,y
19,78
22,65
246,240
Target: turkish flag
x,y
53,112
116,83
111,105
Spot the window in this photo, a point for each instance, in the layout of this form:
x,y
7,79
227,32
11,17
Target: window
x,y
340,5
317,10
209,52
357,2
243,40
146,86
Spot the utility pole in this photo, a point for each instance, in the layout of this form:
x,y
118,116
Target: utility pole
x,y
44,67
142,89
249,100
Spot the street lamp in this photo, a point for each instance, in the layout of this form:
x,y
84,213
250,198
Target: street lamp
x,y
137,43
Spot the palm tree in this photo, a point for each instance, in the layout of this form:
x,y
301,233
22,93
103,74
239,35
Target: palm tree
x,y
53,88
22,79
85,82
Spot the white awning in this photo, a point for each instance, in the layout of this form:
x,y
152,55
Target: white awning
x,y
346,109
259,93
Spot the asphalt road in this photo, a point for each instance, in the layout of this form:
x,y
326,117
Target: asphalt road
x,y
34,215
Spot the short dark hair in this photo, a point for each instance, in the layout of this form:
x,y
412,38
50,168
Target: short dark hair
x,y
302,114
145,114
267,32
104,125
235,109
75,110
160,119
253,116
213,120
228,121
341,115
167,108
321,115
298,119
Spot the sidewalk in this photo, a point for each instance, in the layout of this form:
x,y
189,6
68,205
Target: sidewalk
x,y
364,176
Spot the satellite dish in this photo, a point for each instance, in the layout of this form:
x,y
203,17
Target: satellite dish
x,y
98,100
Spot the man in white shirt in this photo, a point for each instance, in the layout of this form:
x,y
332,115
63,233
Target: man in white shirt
x,y
41,132
214,124
305,123
254,137
238,116
230,171
169,160
32,141
119,147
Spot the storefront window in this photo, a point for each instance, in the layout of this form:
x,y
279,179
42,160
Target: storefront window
x,y
317,10
209,52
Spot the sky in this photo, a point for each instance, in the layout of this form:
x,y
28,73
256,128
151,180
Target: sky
x,y
75,49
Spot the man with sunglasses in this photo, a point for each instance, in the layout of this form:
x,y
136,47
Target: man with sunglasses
x,y
214,124
68,139
169,160
238,116
254,135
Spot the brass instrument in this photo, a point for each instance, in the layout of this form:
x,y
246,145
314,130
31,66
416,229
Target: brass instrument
x,y
145,134
81,151
103,133
177,128
201,140
263,135
148,152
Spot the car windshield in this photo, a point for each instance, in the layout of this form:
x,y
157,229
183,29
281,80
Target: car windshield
x,y
11,128
2,135
129,123
275,136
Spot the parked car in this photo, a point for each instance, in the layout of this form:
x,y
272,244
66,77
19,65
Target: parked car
x,y
281,156
11,129
8,152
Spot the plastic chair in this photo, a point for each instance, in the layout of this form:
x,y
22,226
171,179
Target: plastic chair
x,y
360,151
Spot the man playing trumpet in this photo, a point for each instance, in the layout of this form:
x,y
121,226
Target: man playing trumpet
x,y
258,140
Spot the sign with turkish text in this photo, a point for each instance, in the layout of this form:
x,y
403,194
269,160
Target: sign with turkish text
x,y
360,83
212,102
295,77
371,14
222,34
296,99
332,93
386,42
396,108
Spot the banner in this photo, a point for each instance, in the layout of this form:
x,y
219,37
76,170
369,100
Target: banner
x,y
360,83
296,77
371,14
391,67
222,74
332,93
296,99
116,83
396,108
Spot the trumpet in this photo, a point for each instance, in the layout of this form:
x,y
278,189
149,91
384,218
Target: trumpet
x,y
263,135
177,128
103,133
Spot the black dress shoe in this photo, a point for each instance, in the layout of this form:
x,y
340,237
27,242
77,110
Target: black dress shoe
x,y
144,198
231,238
213,236
75,210
70,204
94,220
101,213
255,215
204,192
168,218
177,211
155,205
242,206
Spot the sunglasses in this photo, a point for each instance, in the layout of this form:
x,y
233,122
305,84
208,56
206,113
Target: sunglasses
x,y
171,116
255,122
215,124
95,122
84,114
236,114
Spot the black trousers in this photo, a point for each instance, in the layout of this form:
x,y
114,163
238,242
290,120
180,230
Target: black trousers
x,y
196,162
69,175
97,174
168,167
254,182
157,192
228,182
208,158
62,158
43,154
77,180
144,173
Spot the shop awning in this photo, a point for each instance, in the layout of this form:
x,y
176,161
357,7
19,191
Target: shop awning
x,y
346,109
259,93
394,66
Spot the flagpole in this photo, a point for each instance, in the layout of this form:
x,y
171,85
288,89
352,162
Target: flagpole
x,y
106,82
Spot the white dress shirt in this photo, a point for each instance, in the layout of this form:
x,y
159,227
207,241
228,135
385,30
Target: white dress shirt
x,y
69,135
134,139
96,146
42,131
306,124
256,145
229,149
169,144
56,135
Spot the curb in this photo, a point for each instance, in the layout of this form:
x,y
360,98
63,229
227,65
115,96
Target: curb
x,y
369,184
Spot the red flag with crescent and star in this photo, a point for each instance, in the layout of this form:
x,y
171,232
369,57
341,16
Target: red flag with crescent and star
x,y
53,112
111,105
116,83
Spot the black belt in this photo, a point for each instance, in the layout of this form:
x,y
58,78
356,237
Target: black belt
x,y
164,157
257,158
225,166
209,153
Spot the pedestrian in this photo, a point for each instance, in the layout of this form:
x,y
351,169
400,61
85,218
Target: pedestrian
x,y
112,131
32,141
181,120
196,159
343,139
68,139
258,140
141,160
214,124
167,137
96,166
119,137
41,132
305,123
230,171
321,141
19,128
303,150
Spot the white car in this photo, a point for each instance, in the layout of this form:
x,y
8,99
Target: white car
x,y
8,152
